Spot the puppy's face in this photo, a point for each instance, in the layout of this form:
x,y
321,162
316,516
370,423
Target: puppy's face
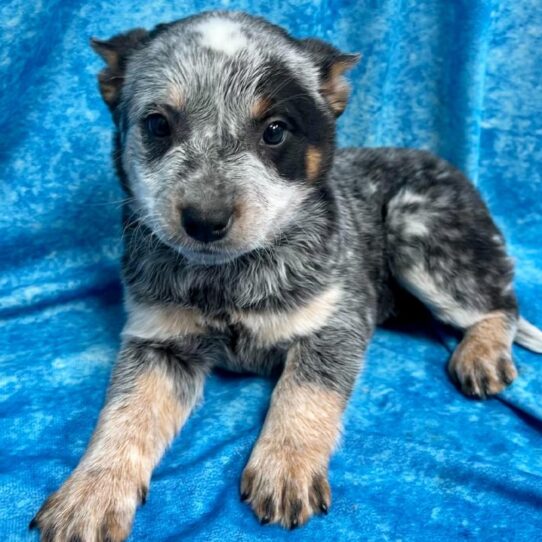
x,y
226,128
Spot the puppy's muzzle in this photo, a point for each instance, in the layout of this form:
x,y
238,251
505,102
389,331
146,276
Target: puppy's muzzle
x,y
208,226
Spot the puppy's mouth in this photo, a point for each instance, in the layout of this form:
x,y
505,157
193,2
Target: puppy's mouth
x,y
205,256
196,252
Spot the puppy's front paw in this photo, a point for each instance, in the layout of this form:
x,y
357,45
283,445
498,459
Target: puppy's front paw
x,y
481,368
284,485
90,507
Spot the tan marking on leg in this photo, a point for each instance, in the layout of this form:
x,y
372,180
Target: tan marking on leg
x,y
101,495
151,409
285,480
482,363
313,161
269,328
259,108
161,322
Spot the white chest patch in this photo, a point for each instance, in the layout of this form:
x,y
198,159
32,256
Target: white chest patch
x,y
161,322
270,328
222,35
164,322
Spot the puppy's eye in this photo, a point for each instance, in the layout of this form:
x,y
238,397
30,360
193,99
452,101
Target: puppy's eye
x,y
158,125
275,133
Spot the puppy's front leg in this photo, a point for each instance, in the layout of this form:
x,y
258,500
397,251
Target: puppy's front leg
x,y
153,389
285,480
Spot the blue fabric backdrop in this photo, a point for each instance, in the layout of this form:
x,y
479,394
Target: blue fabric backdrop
x,y
418,461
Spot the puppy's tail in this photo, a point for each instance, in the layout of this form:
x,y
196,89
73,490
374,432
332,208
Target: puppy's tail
x,y
529,336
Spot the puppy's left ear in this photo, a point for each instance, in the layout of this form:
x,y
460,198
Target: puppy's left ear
x,y
332,65
115,52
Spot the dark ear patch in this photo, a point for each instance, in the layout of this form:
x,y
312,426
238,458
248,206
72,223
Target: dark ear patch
x,y
332,64
116,52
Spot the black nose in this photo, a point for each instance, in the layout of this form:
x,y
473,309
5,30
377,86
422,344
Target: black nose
x,y
206,227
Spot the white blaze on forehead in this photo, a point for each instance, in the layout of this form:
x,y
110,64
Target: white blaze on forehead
x,y
222,35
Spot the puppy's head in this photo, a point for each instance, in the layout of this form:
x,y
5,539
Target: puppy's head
x,y
225,125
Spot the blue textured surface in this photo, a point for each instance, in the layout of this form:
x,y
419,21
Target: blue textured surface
x,y
417,461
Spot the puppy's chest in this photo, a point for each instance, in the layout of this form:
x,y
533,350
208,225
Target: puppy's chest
x,y
245,352
253,340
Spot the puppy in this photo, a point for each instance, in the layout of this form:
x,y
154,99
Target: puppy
x,y
253,244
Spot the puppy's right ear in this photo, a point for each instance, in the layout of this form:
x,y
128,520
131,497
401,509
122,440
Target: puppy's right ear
x,y
116,52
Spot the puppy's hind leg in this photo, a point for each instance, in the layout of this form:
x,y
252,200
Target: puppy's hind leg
x,y
445,249
482,363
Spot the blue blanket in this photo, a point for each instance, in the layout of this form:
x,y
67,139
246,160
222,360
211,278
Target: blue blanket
x,y
417,460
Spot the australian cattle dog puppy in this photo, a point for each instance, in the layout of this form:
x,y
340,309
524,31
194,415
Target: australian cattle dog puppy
x,y
252,243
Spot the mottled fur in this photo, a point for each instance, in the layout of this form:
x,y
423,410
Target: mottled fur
x,y
312,248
